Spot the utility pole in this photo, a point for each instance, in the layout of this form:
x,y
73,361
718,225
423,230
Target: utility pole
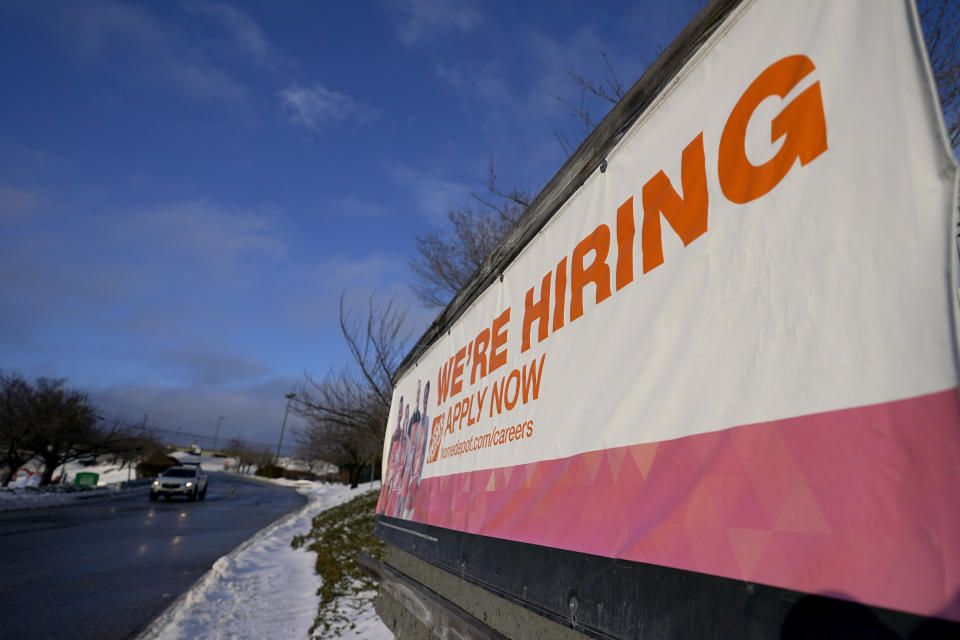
x,y
217,434
290,396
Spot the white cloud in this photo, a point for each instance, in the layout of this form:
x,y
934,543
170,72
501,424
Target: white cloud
x,y
368,272
158,273
487,82
580,53
208,233
433,196
160,51
247,34
352,206
453,75
100,25
252,412
197,305
206,365
527,70
422,19
357,278
316,107
16,202
201,81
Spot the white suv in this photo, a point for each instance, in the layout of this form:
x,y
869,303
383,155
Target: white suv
x,y
189,481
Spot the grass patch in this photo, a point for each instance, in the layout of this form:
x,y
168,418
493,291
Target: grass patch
x,y
336,536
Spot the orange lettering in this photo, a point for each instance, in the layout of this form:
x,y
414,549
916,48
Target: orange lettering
x,y
443,381
539,312
802,122
480,354
598,272
531,379
687,215
457,408
507,402
560,294
496,396
626,229
498,357
456,385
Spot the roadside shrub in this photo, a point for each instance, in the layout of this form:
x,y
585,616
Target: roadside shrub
x,y
155,465
293,474
336,536
269,471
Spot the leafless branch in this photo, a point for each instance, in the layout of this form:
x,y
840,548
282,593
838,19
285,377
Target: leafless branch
x,y
445,261
346,411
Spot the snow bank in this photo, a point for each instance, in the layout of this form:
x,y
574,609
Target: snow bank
x,y
29,474
28,496
264,588
24,493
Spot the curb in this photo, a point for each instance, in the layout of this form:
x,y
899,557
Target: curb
x,y
156,627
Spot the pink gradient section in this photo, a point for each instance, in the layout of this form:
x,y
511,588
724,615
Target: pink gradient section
x,y
861,502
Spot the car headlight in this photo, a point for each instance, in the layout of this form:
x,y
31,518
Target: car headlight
x,y
189,484
156,483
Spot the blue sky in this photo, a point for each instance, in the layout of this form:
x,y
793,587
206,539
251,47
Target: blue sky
x,y
186,188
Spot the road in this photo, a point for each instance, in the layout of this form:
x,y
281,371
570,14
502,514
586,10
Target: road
x,y
103,570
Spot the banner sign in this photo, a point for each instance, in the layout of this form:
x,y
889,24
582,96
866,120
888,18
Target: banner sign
x,y
732,350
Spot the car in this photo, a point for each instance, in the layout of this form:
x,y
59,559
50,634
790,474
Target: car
x,y
181,480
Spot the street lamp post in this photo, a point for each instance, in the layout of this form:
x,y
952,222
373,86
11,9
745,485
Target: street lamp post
x,y
290,396
216,435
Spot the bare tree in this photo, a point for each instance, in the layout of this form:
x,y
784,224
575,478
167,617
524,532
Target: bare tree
x,y
609,91
309,454
346,412
939,19
15,449
47,420
262,457
64,425
245,455
128,444
444,260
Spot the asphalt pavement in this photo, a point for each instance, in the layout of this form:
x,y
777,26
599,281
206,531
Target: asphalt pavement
x,y
102,570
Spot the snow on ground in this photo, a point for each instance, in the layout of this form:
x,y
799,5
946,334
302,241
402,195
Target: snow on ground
x,y
264,588
31,498
110,473
29,474
23,491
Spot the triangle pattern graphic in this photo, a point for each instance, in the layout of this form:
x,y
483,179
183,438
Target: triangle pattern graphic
x,y
748,547
800,512
615,460
593,460
643,455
